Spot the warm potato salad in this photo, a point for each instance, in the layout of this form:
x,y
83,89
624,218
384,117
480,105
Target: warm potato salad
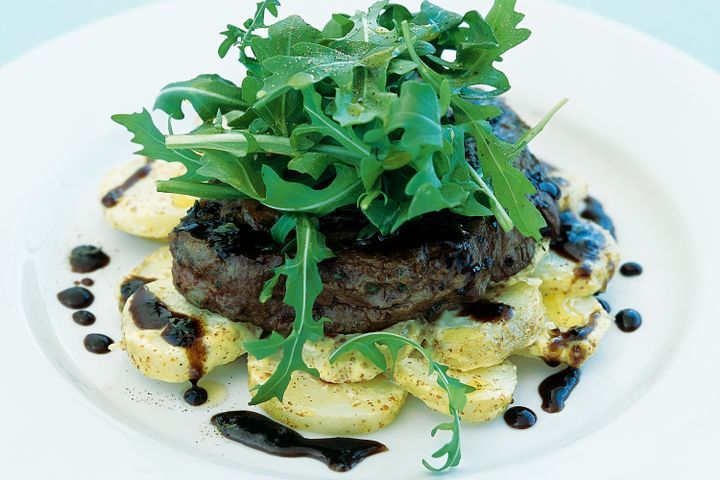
x,y
550,314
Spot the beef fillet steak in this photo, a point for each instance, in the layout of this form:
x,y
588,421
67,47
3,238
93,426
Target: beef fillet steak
x,y
223,253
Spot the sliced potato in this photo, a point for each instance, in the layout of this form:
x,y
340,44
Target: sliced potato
x,y
221,340
494,387
332,408
466,344
563,276
353,366
142,210
575,345
569,312
156,266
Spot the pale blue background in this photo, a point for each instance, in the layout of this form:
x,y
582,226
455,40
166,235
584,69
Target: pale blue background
x,y
690,25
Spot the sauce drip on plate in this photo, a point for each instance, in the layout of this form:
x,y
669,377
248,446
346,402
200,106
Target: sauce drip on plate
x,y
195,395
98,343
88,258
261,433
83,317
76,298
628,320
556,389
520,417
631,269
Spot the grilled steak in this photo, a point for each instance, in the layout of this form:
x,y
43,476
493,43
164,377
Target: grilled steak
x,y
223,253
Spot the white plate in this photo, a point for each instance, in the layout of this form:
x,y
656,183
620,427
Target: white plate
x,y
641,126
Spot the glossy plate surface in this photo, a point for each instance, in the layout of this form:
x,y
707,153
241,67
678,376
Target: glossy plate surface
x,y
641,125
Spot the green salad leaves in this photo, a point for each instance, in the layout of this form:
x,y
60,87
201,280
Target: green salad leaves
x,y
368,345
302,286
374,110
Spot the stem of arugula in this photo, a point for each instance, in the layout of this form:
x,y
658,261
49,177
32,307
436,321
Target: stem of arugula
x,y
500,214
268,143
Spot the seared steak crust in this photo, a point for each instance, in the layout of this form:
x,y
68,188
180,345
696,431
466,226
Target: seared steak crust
x,y
223,253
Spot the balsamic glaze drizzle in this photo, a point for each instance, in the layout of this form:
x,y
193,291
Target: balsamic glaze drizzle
x,y
178,329
628,320
131,285
195,395
83,317
631,269
111,198
261,433
556,388
520,417
88,258
76,298
98,343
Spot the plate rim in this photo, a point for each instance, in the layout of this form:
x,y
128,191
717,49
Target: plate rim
x,y
38,51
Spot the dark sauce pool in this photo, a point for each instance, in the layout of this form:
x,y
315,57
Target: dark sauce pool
x,y
76,298
261,433
83,317
556,389
628,320
520,417
195,395
88,258
98,343
631,269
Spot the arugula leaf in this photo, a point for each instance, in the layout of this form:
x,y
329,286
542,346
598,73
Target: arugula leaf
x,y
288,196
241,38
417,112
209,191
338,26
282,228
208,94
368,345
302,287
437,17
284,113
511,187
242,174
503,20
310,64
312,163
324,125
367,29
366,101
535,131
146,134
282,36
